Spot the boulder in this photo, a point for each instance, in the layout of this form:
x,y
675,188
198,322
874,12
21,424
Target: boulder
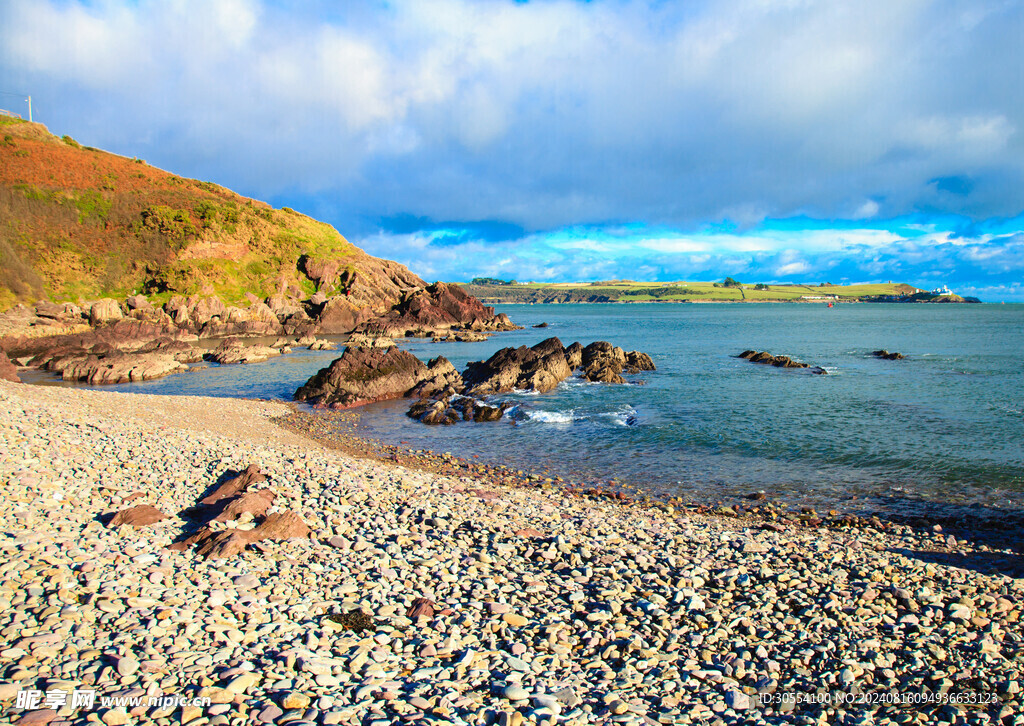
x,y
203,310
8,371
364,375
142,515
104,311
138,302
539,368
433,413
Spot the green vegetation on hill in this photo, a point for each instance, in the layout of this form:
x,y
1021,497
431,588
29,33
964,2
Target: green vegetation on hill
x,y
80,223
630,291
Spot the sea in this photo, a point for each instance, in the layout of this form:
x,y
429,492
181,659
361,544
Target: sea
x,y
940,431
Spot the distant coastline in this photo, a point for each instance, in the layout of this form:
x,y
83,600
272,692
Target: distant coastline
x,y
492,291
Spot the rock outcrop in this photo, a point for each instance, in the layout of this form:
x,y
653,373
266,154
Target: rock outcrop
x,y
886,355
438,307
364,375
234,350
539,368
779,361
233,502
8,371
546,364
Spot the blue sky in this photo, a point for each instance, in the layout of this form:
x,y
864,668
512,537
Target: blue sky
x,y
769,140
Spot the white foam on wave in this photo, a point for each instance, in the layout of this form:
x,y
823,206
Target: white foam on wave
x,y
560,417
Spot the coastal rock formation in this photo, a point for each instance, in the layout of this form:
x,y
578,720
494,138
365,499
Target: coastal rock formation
x,y
438,307
604,363
364,375
234,350
539,368
546,364
779,361
8,371
886,355
161,358
441,379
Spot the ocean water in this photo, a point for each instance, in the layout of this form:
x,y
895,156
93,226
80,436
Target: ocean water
x,y
944,425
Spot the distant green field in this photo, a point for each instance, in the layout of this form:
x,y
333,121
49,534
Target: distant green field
x,y
681,291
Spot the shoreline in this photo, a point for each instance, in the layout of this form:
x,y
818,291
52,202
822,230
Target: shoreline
x,y
546,606
337,429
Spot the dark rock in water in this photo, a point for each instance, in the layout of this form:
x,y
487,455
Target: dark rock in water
x,y
574,355
543,366
487,413
446,411
886,355
605,363
8,371
539,368
637,362
364,375
779,361
433,413
541,325
440,379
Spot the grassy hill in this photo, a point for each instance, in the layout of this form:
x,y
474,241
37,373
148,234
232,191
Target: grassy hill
x,y
79,223
630,291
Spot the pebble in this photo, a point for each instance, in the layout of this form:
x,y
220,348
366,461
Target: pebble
x,y
620,613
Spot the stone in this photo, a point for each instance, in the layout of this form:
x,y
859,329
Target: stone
x,y
514,619
142,515
295,699
515,692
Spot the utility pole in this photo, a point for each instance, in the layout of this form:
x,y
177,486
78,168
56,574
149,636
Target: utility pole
x,y
24,96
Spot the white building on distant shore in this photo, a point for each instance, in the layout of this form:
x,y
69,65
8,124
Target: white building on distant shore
x,y
944,290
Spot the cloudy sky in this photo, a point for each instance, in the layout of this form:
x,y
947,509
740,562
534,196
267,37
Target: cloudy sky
x,y
769,140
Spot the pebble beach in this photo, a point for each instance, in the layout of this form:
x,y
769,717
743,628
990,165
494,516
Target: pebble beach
x,y
427,597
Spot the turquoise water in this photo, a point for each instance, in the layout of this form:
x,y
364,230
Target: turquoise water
x,y
944,425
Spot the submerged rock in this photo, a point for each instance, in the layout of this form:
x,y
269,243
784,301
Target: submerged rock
x,y
779,361
886,355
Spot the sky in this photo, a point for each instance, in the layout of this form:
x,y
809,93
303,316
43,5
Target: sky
x,y
558,140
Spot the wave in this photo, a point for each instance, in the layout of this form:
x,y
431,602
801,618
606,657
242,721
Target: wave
x,y
552,417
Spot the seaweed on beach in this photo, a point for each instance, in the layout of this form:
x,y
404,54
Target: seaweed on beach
x,y
355,620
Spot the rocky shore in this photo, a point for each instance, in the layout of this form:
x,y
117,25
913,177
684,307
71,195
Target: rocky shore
x,y
464,599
